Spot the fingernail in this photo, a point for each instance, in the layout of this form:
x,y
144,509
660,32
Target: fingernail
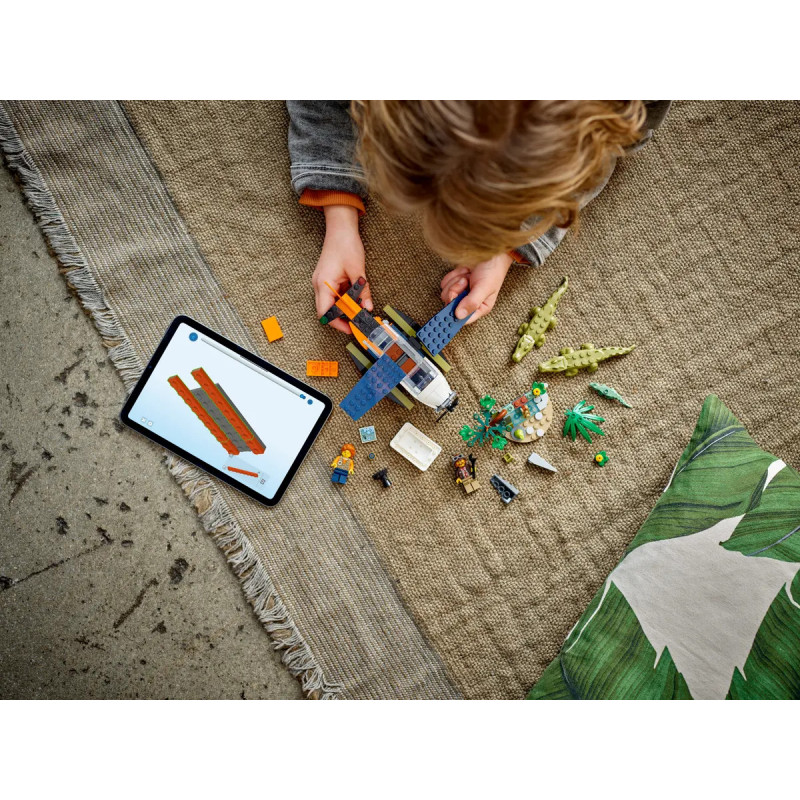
x,y
461,313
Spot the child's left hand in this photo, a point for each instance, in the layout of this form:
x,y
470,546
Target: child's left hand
x,y
484,281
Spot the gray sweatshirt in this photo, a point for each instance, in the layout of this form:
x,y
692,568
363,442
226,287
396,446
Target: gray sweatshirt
x,y
322,145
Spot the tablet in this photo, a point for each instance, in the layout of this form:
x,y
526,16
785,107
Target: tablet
x,y
226,410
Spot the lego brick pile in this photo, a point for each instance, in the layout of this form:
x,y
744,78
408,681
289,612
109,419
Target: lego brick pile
x,y
421,589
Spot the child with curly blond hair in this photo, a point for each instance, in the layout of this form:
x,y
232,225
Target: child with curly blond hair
x,y
494,181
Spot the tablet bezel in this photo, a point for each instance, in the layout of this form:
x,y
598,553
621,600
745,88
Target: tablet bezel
x,y
259,362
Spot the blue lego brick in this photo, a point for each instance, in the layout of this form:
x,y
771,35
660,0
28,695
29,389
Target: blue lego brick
x,y
374,385
442,327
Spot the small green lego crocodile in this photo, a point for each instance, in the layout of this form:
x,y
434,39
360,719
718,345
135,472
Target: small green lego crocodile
x,y
532,333
588,356
610,393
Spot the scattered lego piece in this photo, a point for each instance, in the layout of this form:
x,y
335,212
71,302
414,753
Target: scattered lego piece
x,y
611,394
532,333
442,327
367,434
587,356
343,465
580,421
506,491
465,473
508,458
414,445
272,328
371,456
601,459
538,461
322,369
382,475
524,419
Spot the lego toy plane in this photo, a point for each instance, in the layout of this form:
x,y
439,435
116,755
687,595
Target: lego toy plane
x,y
400,355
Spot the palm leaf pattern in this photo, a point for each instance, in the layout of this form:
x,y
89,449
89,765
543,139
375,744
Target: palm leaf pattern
x,y
721,476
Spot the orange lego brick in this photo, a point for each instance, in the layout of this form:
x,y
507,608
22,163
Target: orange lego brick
x,y
231,414
183,390
324,369
243,471
272,328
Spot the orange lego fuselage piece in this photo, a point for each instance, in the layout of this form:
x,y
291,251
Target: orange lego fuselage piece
x,y
183,390
228,412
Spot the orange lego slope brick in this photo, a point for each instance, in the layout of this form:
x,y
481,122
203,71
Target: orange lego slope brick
x,y
323,369
272,328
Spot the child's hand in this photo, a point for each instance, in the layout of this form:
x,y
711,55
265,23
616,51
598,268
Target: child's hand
x,y
340,263
484,281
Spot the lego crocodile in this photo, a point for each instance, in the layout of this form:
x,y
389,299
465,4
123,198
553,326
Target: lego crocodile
x,y
587,356
532,333
610,393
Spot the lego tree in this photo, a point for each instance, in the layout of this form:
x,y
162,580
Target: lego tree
x,y
486,427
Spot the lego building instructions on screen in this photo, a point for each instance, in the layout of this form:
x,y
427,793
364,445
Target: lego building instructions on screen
x,y
226,411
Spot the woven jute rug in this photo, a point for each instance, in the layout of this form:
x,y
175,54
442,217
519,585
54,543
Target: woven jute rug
x,y
419,591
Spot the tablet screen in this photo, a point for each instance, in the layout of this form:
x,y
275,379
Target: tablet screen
x,y
227,411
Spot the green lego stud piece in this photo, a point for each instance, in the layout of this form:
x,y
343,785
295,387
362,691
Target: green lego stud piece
x,y
323,320
611,394
587,356
580,421
508,458
542,319
601,459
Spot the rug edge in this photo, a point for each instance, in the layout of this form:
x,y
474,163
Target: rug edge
x,y
212,510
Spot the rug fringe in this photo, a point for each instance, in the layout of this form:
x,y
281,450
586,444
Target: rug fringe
x,y
214,513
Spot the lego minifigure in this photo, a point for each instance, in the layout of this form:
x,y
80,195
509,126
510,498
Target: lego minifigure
x,y
343,465
465,474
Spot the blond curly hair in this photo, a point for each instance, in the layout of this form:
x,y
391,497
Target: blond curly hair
x,y
488,176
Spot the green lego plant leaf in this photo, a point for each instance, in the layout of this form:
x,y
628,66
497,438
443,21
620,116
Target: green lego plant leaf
x,y
498,442
538,385
488,402
580,421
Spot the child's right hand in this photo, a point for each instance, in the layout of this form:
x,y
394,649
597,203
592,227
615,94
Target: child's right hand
x,y
340,263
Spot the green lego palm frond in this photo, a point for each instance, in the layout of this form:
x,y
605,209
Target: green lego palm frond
x,y
580,421
482,430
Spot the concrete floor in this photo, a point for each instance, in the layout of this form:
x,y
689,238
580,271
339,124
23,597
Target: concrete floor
x,y
109,588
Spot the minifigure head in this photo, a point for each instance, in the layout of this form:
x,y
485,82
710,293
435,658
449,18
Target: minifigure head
x,y
348,451
459,461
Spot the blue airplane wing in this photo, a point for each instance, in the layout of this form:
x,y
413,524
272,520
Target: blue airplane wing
x,y
442,327
373,386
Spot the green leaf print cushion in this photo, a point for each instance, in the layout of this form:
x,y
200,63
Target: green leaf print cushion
x,y
705,604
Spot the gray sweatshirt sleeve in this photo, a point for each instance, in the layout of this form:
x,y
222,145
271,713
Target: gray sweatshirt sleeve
x,y
322,144
538,250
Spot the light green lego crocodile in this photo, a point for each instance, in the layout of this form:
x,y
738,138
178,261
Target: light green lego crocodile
x,y
532,333
586,357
